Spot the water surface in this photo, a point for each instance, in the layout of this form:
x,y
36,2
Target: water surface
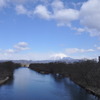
x,y
30,85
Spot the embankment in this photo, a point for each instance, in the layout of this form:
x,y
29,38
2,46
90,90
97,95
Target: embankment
x,y
7,70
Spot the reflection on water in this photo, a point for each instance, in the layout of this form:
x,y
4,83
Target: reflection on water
x,y
29,85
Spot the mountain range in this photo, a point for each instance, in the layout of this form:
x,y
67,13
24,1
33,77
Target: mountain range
x,y
64,59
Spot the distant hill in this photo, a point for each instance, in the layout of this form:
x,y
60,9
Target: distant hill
x,y
65,59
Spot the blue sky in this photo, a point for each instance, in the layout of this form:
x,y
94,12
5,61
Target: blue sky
x,y
49,29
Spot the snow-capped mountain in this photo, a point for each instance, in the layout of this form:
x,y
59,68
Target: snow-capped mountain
x,y
64,59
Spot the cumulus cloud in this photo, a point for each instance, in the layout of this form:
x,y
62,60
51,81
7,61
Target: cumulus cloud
x,y
21,46
57,5
98,48
3,3
15,53
20,9
42,12
10,51
88,14
65,16
77,50
58,12
17,48
78,30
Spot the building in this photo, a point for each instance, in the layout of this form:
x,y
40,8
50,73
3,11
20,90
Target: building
x,y
99,59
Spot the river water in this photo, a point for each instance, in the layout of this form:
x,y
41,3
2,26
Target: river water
x,y
30,85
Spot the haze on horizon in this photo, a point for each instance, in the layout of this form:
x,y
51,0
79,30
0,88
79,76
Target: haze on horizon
x,y
49,29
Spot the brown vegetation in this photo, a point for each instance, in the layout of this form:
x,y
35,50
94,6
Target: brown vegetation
x,y
7,69
84,73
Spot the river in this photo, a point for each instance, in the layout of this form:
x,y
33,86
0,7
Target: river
x,y
30,85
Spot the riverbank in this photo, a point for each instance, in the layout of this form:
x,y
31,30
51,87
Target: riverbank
x,y
4,80
85,73
7,70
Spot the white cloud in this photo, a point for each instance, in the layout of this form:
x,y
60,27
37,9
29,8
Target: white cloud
x,y
57,5
15,53
3,3
58,12
79,30
77,50
65,16
98,48
16,56
42,12
20,9
32,56
21,46
90,16
9,51
17,48
62,15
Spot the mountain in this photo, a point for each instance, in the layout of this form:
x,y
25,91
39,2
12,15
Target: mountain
x,y
64,59
69,60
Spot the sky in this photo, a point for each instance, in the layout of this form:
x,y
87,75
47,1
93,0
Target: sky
x,y
49,29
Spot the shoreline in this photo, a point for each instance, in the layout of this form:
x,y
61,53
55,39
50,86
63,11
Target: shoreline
x,y
7,70
73,73
91,90
4,80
